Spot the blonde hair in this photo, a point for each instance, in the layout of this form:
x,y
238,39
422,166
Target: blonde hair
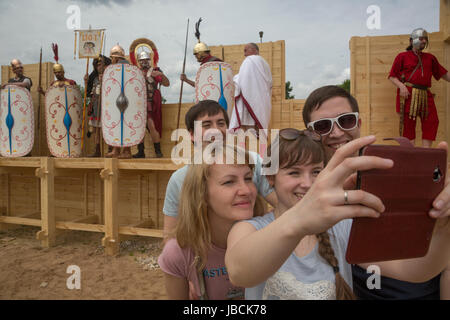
x,y
193,230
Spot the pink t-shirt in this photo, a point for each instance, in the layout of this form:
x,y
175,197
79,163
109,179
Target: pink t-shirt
x,y
179,262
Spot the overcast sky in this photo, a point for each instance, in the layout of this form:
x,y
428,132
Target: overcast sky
x,y
317,33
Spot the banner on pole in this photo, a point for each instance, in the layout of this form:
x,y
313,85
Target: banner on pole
x,y
90,43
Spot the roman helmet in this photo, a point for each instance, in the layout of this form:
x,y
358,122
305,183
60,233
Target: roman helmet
x,y
56,67
416,34
144,48
117,51
200,48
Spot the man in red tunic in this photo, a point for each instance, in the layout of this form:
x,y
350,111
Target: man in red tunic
x,y
411,73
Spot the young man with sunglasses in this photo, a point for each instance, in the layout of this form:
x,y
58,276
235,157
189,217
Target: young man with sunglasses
x,y
333,113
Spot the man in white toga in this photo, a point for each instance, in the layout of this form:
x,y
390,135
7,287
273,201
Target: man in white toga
x,y
253,92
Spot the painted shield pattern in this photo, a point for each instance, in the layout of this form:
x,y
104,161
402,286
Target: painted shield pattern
x,y
124,110
16,122
214,81
63,117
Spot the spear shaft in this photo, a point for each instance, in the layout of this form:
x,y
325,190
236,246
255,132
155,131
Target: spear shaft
x,y
39,106
181,90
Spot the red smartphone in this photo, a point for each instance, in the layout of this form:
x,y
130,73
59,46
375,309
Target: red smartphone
x,y
407,190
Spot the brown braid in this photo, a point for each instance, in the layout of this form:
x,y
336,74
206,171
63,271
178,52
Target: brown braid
x,y
343,290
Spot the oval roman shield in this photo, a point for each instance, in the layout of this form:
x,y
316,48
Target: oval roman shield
x,y
16,122
63,117
214,81
124,110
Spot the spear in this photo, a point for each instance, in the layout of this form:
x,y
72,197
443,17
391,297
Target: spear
x,y
181,90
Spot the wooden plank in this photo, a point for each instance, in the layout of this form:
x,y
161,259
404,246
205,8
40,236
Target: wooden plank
x,y
79,163
80,227
20,162
155,233
21,221
148,164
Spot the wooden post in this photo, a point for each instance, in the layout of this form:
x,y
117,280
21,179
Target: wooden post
x,y
98,199
85,195
110,176
47,235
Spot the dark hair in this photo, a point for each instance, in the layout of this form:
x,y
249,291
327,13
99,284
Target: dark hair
x,y
320,95
303,150
94,73
205,107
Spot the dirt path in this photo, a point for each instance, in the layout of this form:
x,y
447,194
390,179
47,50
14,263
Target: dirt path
x,y
28,271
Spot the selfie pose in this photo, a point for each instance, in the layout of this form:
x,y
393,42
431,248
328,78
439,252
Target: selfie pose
x,y
334,113
298,250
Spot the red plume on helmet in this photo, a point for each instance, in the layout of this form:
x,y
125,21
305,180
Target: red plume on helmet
x,y
55,51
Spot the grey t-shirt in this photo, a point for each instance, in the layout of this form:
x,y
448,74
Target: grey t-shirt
x,y
173,190
306,278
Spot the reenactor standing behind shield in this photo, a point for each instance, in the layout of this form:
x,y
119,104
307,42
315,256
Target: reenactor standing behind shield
x,y
201,52
147,61
63,113
124,105
94,109
117,56
19,80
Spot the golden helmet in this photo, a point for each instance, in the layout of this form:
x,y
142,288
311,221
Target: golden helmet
x,y
58,67
200,47
117,51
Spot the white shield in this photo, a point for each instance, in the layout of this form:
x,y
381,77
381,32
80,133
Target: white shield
x,y
124,109
63,118
214,81
16,122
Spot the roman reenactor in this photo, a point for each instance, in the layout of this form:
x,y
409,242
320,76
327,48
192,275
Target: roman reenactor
x,y
201,52
19,80
147,61
411,72
58,71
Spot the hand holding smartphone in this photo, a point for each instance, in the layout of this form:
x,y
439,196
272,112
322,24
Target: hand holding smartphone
x,y
407,190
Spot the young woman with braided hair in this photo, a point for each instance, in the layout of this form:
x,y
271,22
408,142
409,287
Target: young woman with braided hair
x,y
298,250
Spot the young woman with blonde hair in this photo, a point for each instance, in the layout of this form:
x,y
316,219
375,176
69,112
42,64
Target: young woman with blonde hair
x,y
213,197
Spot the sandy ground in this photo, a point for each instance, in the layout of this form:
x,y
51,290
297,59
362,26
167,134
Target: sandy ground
x,y
28,271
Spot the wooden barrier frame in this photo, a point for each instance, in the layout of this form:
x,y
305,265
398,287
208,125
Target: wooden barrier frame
x,y
47,168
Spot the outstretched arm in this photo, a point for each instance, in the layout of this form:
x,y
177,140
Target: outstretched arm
x,y
253,256
185,79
